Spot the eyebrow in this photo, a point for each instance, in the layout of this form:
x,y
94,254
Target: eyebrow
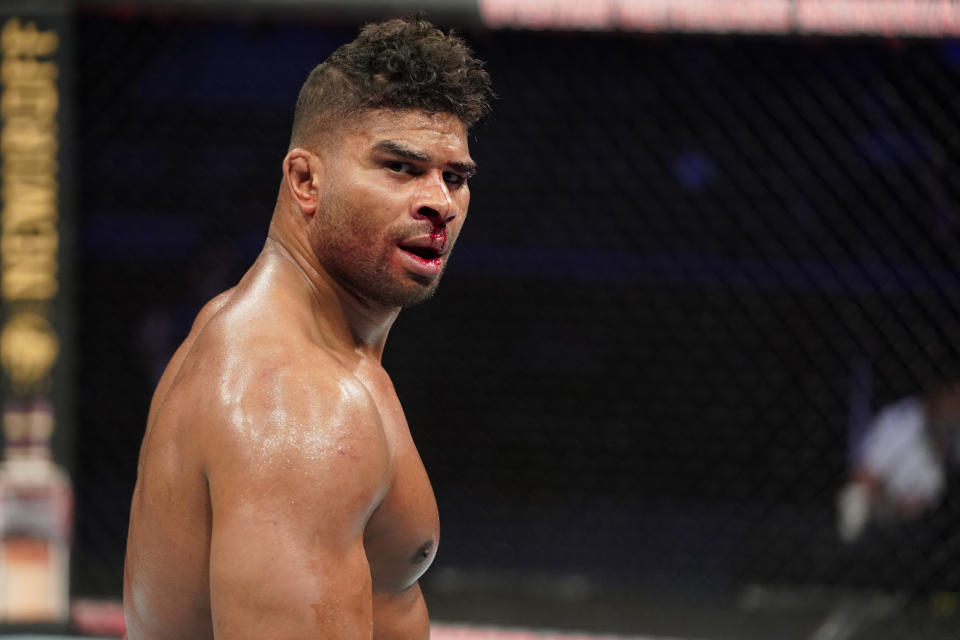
x,y
402,151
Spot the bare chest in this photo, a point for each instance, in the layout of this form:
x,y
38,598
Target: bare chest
x,y
402,535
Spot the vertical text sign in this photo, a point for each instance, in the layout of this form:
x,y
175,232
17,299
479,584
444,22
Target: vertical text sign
x,y
29,237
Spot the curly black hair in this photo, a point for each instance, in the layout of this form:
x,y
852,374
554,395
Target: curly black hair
x,y
404,63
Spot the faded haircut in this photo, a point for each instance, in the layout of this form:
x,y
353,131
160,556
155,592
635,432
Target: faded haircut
x,y
404,63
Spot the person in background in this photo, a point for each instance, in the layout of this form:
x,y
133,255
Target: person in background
x,y
900,466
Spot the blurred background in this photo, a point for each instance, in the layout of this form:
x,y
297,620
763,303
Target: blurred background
x,y
708,243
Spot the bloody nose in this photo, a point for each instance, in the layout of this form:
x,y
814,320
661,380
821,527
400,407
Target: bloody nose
x,y
435,216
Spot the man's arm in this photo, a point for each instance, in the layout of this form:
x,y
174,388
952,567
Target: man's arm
x,y
302,468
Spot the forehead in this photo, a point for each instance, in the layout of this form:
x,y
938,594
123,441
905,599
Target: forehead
x,y
435,133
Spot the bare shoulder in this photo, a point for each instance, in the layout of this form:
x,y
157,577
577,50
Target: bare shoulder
x,y
274,404
209,310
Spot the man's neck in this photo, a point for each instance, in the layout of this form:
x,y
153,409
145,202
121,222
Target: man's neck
x,y
345,318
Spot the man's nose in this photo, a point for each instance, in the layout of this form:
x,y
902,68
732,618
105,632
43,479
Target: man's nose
x,y
432,199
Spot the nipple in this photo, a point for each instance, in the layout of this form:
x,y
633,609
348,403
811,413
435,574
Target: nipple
x,y
423,552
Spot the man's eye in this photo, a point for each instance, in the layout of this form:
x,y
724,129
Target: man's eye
x,y
454,178
399,167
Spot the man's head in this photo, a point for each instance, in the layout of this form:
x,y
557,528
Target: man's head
x,y
379,161
398,64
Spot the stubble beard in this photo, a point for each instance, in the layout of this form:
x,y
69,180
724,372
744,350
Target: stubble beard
x,y
377,287
367,275
344,249
381,289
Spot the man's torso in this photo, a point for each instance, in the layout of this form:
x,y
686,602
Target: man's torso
x,y
167,582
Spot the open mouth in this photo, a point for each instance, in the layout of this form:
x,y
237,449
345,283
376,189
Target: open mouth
x,y
424,253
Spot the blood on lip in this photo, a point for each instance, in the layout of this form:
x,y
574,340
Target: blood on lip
x,y
436,247
424,253
426,266
439,233
434,260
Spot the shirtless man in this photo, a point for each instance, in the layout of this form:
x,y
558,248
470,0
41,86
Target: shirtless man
x,y
279,492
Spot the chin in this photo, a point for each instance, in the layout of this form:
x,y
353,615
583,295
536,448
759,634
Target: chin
x,y
417,300
411,297
402,296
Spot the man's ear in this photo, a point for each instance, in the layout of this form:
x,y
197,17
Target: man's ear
x,y
302,171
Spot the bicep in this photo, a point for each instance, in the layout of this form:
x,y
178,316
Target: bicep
x,y
268,579
286,555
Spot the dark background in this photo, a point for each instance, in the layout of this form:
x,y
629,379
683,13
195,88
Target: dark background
x,y
691,263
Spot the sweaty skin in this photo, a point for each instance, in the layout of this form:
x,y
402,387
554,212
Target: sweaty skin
x,y
279,492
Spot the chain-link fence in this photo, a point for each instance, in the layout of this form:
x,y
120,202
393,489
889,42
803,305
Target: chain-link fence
x,y
694,267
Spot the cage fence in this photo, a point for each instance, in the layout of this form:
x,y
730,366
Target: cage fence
x,y
695,268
